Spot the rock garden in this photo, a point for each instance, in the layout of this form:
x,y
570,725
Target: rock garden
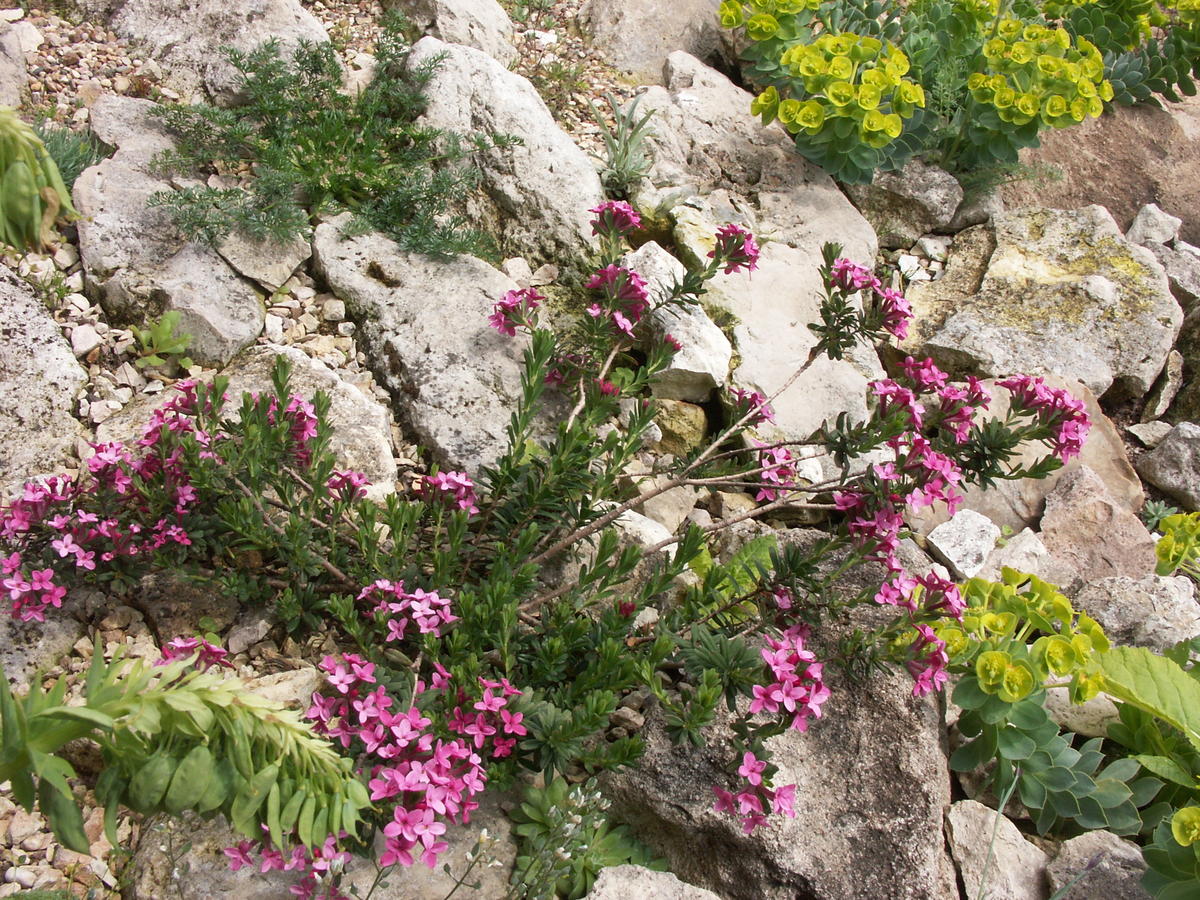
x,y
535,449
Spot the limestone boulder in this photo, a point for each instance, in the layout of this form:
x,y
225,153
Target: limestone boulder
x,y
39,379
186,37
1010,867
425,329
135,264
1151,611
13,76
1130,156
535,194
904,205
714,163
702,363
482,24
625,882
1174,465
660,29
1025,552
1063,293
1087,527
1114,868
872,786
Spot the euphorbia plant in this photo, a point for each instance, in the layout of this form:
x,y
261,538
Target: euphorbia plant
x,y
863,85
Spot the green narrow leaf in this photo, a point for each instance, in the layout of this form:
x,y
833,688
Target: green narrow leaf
x,y
64,816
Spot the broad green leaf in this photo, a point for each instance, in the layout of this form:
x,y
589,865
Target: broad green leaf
x,y
1165,767
1155,684
80,713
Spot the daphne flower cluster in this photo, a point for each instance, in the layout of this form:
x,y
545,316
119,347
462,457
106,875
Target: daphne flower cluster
x,y
490,718
625,295
428,781
893,309
400,608
777,469
318,864
301,418
454,488
735,249
751,403
614,218
515,310
347,485
798,689
753,802
1054,408
207,655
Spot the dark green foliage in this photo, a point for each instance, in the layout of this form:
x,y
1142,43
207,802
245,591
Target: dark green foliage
x,y
1055,781
313,150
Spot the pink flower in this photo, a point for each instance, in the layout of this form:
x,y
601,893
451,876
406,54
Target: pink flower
x,y
514,310
752,768
735,249
615,218
850,276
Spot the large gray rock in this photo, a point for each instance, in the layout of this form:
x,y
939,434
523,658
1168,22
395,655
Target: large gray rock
x,y
134,261
660,28
1151,611
186,36
904,205
872,786
1019,504
425,328
27,647
13,75
1025,552
1008,868
482,24
1174,465
39,379
1114,868
534,195
714,163
703,362
632,882
1065,293
1087,527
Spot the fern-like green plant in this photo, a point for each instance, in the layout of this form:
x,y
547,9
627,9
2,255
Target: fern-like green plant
x,y
173,738
312,149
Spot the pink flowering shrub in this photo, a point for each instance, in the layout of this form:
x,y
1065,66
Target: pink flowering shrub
x,y
470,666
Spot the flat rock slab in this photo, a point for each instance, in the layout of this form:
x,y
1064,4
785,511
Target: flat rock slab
x,y
872,785
425,327
39,379
134,261
1087,527
1015,868
1063,293
534,195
